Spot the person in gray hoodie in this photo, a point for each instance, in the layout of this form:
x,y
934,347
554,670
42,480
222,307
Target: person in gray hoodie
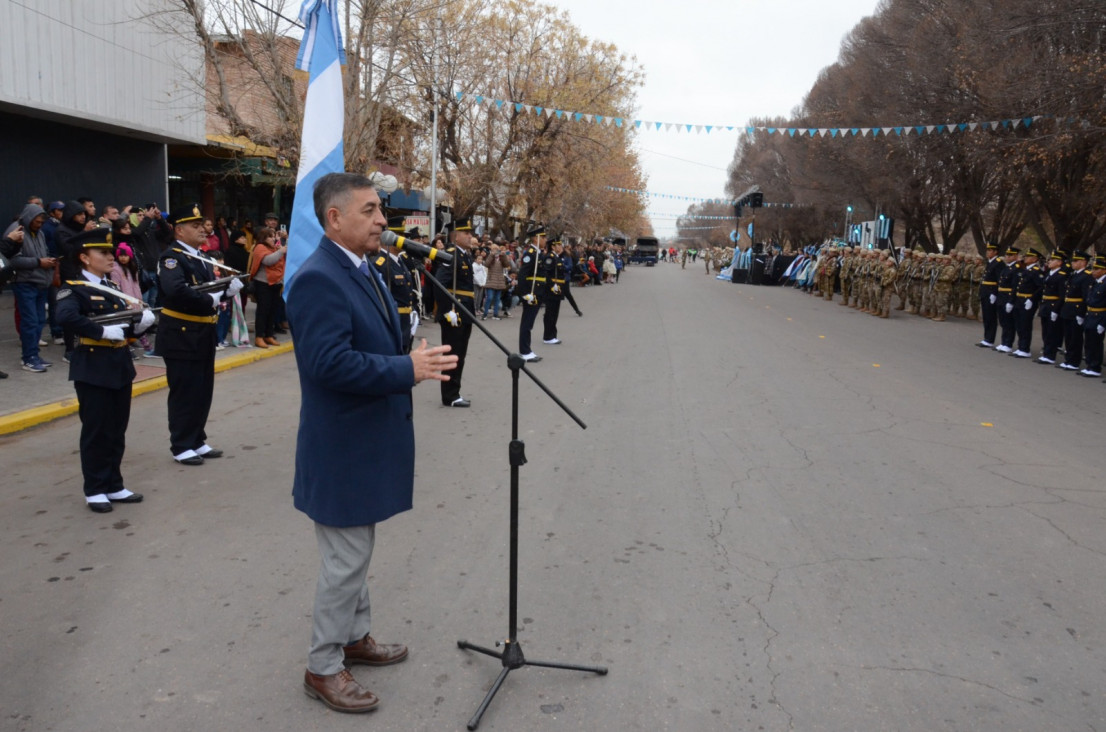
x,y
34,271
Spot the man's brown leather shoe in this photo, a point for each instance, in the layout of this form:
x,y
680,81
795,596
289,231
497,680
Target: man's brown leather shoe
x,y
340,692
260,343
370,653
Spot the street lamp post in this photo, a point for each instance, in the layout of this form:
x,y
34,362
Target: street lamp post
x,y
848,220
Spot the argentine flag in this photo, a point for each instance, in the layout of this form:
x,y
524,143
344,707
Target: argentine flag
x,y
321,56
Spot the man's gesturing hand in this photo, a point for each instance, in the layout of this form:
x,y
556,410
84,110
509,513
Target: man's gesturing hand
x,y
429,363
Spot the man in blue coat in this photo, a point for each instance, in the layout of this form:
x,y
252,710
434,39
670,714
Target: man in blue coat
x,y
355,383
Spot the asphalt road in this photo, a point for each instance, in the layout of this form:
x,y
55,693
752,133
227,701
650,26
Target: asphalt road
x,y
784,514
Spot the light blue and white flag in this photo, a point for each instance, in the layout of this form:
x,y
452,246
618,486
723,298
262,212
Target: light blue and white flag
x,y
321,56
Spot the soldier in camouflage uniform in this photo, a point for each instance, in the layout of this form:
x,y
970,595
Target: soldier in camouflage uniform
x,y
848,262
918,282
860,282
831,273
872,289
944,274
902,278
976,267
888,275
959,285
872,283
929,284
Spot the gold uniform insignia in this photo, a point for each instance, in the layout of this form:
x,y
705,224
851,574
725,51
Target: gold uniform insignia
x,y
196,212
380,261
170,264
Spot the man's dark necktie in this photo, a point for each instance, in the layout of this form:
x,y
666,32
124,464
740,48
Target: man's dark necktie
x,y
374,277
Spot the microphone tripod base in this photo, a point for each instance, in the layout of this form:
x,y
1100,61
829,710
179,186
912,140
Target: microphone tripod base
x,y
512,658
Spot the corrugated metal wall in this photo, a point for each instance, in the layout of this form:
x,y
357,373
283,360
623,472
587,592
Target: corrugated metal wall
x,y
132,64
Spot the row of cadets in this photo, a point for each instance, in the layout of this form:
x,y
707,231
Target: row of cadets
x,y
100,367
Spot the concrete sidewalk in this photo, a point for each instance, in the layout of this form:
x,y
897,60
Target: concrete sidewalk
x,y
28,399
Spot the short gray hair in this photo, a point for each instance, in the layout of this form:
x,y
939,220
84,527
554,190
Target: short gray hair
x,y
332,191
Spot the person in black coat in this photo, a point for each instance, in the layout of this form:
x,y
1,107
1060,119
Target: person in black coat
x,y
1027,298
1094,324
557,287
456,326
988,296
1007,280
100,368
532,284
1052,299
1074,311
186,336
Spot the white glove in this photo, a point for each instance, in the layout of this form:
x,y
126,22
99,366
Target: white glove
x,y
114,333
148,319
216,298
1078,320
1009,307
556,289
415,320
530,299
1101,329
453,318
235,288
1028,304
1055,315
993,298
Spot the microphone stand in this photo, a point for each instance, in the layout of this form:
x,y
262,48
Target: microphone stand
x,y
511,657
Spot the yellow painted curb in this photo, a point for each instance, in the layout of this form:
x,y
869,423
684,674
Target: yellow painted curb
x,y
27,418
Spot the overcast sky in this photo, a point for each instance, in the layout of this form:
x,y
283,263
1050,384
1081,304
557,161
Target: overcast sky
x,y
714,62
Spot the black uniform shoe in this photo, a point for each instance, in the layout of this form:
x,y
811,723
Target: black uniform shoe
x,y
132,498
461,402
100,507
211,454
193,460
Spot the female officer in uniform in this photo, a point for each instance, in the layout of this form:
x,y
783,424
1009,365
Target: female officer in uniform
x,y
100,368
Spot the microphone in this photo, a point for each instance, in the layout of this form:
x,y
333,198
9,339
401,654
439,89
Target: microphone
x,y
415,249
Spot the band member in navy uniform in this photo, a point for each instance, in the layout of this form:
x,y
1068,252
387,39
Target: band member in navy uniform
x,y
1052,299
186,336
1074,310
531,285
1007,318
988,296
100,367
456,276
556,287
1094,324
396,272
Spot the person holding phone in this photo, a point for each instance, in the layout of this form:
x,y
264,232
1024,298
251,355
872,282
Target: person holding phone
x,y
280,319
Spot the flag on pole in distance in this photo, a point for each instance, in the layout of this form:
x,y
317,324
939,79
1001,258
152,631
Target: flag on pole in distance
x,y
321,55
